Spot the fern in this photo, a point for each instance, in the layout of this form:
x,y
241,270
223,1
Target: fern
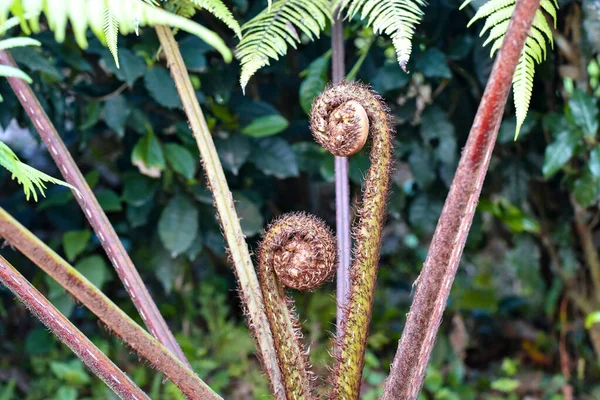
x,y
497,14
187,8
268,35
106,18
394,18
30,178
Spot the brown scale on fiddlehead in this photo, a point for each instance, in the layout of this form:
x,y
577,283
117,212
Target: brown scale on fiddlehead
x,y
298,251
333,111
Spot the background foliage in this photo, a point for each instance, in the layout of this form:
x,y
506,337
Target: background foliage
x,y
511,329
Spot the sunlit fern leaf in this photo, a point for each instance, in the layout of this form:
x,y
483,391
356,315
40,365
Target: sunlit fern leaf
x,y
497,15
394,18
128,15
219,10
32,180
111,32
10,43
268,35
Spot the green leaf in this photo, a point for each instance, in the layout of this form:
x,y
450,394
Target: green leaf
x,y
585,112
250,217
148,156
161,87
390,77
39,341
314,82
587,188
116,110
75,242
109,200
594,163
592,319
181,160
274,156
36,61
505,385
94,268
131,66
266,126
432,64
233,152
12,72
560,151
178,225
138,190
71,372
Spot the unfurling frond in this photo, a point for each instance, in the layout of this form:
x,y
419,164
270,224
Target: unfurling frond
x,y
30,178
268,35
497,15
126,15
394,18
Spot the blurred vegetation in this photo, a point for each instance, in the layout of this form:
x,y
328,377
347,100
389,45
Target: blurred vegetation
x,y
516,323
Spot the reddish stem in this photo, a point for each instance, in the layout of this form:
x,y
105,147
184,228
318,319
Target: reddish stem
x,y
408,369
97,218
68,334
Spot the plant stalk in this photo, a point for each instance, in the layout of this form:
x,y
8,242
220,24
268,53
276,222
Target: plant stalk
x,y
434,283
342,186
110,314
238,249
63,329
93,212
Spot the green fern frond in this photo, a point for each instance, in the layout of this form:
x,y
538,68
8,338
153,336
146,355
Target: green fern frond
x,y
394,18
497,15
127,15
220,10
10,43
30,178
111,32
268,35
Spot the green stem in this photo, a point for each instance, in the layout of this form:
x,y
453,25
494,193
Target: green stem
x,y
351,345
63,329
238,249
115,319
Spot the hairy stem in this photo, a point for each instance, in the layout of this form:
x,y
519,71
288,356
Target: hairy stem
x,y
115,319
238,249
93,212
439,269
342,186
62,328
298,251
351,344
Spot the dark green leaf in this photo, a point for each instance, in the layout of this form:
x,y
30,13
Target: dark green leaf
x,y
178,225
39,341
109,200
594,163
94,269
233,152
161,87
433,64
585,112
274,156
314,82
116,110
560,151
131,66
181,160
35,60
586,189
390,77
148,156
250,217
138,189
266,126
75,242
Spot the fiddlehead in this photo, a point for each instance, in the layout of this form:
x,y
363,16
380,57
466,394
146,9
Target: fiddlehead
x,y
329,116
298,250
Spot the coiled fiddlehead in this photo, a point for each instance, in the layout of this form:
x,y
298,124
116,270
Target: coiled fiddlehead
x,y
298,251
296,244
331,111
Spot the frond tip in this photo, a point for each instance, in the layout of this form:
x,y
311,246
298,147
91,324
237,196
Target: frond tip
x,y
394,18
268,35
497,15
30,178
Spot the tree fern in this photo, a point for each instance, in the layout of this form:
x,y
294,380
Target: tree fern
x,y
497,14
5,70
105,17
30,178
268,35
187,8
394,18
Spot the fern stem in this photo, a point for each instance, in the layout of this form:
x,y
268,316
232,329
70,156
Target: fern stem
x,y
250,292
63,329
342,186
115,319
93,212
351,344
439,269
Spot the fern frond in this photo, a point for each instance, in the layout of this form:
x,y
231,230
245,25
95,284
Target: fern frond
x,y
111,32
10,43
220,10
394,18
127,15
497,15
30,178
268,35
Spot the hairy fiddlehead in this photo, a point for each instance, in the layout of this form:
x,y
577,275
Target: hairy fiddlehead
x,y
298,251
338,123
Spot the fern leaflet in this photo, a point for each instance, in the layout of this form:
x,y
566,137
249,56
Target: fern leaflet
x,y
268,35
497,15
394,18
102,16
